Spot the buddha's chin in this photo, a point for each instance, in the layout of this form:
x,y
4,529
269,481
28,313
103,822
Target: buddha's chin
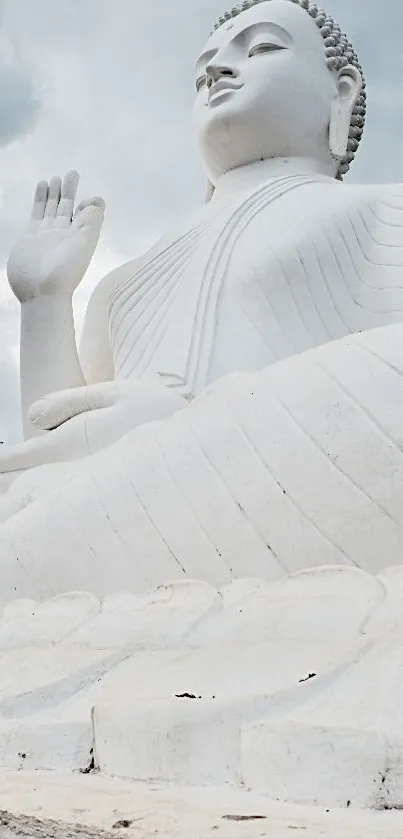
x,y
228,136
222,117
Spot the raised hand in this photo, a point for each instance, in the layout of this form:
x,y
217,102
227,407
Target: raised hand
x,y
53,253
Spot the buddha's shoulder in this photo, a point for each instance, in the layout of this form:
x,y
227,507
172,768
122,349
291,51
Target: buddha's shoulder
x,y
389,196
111,282
367,219
373,211
106,289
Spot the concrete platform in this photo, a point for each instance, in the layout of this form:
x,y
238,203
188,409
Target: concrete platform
x,y
60,805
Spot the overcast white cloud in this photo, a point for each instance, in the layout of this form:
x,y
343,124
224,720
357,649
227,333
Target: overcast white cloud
x,y
106,86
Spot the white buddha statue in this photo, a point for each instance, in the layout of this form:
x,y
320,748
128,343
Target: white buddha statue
x,y
279,277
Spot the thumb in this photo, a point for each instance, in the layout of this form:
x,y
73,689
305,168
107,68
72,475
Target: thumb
x,y
89,213
56,408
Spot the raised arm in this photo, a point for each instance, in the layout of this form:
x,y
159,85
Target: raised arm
x,y
46,265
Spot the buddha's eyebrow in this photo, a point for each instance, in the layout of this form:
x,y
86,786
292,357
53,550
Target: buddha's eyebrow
x,y
265,27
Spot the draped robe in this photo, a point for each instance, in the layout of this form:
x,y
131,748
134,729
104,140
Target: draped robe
x,y
267,274
296,461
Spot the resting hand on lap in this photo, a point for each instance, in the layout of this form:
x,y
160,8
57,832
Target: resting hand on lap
x,y
82,421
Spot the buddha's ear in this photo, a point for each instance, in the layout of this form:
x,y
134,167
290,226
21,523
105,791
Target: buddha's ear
x,y
349,84
209,192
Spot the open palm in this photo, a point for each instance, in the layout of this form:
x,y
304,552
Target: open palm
x,y
53,253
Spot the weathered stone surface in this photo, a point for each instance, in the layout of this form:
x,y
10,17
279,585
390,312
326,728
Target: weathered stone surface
x,y
26,827
63,806
192,685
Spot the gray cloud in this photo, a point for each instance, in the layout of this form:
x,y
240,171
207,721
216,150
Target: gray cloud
x,y
117,85
19,106
19,102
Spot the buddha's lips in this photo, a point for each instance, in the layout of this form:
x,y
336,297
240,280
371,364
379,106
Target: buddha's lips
x,y
223,85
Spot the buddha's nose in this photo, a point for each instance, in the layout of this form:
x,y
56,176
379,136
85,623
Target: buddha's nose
x,y
216,71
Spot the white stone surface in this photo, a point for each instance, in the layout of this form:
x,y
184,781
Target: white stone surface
x,y
280,279
236,413
264,474
291,689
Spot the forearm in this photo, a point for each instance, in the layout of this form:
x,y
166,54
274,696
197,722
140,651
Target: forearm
x,y
48,350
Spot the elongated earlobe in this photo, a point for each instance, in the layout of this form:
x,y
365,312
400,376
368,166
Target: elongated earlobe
x,y
338,131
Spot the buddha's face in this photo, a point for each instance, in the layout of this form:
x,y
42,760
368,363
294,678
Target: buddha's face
x,y
263,89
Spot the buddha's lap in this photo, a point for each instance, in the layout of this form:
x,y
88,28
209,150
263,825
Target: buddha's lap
x,y
294,466
31,485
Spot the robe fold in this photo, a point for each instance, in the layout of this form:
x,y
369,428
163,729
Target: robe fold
x,y
259,278
297,460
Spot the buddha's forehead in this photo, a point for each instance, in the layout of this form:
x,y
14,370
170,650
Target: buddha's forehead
x,y
294,20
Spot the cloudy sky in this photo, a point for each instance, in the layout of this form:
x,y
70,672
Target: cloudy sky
x,y
106,86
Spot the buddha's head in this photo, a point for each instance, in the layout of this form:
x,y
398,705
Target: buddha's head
x,y
277,78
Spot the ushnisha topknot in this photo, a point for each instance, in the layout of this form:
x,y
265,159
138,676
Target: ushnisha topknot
x,y
339,52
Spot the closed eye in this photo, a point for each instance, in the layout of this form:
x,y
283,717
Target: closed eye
x,y
260,49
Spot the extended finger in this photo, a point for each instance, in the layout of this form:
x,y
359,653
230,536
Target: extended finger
x,y
68,195
40,199
53,197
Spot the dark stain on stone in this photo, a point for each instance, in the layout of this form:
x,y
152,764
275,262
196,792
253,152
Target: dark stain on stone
x,y
237,818
186,696
123,823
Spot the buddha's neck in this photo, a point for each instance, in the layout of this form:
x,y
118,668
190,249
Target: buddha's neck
x,y
252,175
